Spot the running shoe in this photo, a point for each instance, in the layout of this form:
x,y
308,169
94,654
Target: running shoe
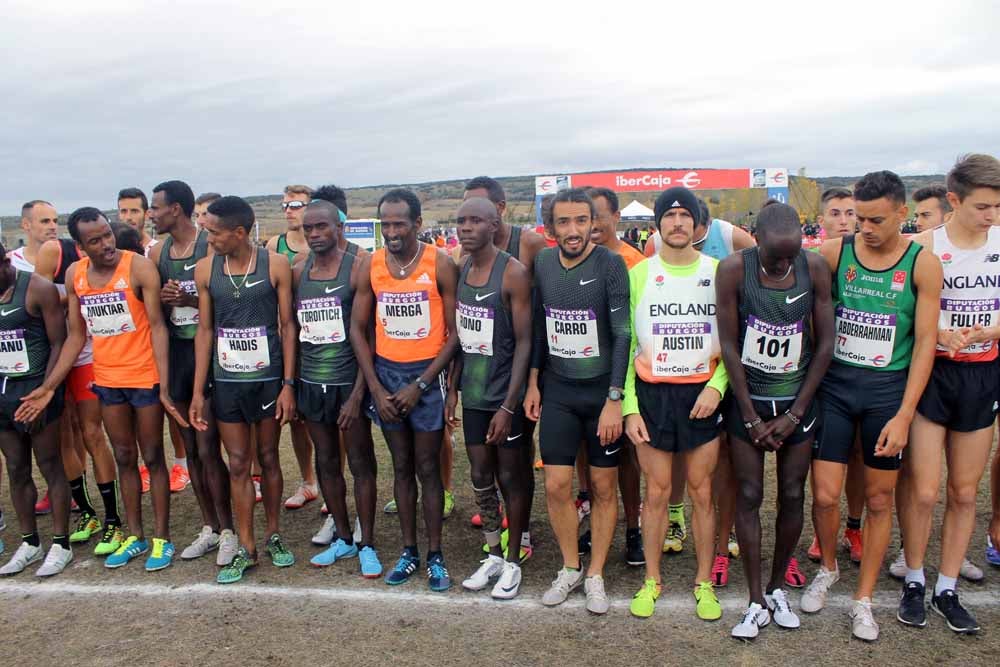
x,y
404,569
733,546
539,465
863,625
852,543
207,540
489,569
898,567
326,533
2,547
793,575
476,520
707,607
324,510
371,567
86,527
582,509
228,546
674,542
22,558
3,522
566,582
306,493
597,598
954,614
233,572
130,548
971,572
161,557
110,540
356,535
754,618
911,609
633,547
509,582
438,579
338,550
179,478
55,562
781,612
43,506
814,597
390,507
720,570
814,553
675,514
144,478
449,503
583,544
992,553
279,553
644,601
258,494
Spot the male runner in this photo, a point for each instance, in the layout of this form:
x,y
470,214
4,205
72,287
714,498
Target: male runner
x,y
674,389
886,294
244,298
955,415
409,289
331,387
776,333
494,328
201,206
932,207
580,353
175,259
115,295
32,332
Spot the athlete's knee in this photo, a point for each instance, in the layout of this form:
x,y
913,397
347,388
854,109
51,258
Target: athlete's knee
x,y
239,465
923,497
879,501
510,477
962,496
825,497
604,488
559,487
700,490
126,456
19,469
751,495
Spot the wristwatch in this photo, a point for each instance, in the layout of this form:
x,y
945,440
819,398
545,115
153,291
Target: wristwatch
x,y
288,382
422,385
615,394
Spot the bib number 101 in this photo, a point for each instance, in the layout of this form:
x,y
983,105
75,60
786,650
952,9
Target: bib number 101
x,y
772,347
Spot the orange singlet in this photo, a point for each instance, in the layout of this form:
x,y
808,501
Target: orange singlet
x,y
116,318
409,317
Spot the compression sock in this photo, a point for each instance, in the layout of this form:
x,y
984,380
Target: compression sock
x,y
109,496
61,540
32,539
944,584
916,575
853,524
78,489
676,513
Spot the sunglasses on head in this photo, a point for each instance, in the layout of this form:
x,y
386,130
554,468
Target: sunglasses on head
x,y
294,205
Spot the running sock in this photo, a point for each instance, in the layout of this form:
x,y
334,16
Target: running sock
x,y
526,539
32,539
917,576
61,540
183,462
944,584
853,524
78,489
676,513
109,496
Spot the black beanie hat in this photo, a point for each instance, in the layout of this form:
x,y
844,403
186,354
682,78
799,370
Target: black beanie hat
x,y
676,198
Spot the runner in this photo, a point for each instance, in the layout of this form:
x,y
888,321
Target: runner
x,y
932,207
115,295
32,331
331,388
175,258
776,333
886,294
133,208
244,300
955,416
674,389
201,206
581,322
494,328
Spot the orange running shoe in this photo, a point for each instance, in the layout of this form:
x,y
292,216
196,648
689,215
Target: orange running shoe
x,y
144,478
794,576
179,479
852,542
815,555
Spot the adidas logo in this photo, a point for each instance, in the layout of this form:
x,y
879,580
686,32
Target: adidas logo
x,y
121,284
676,204
424,278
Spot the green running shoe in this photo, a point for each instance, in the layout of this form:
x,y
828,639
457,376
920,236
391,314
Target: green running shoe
x,y
390,507
234,571
449,503
644,602
708,607
526,550
110,540
86,527
279,553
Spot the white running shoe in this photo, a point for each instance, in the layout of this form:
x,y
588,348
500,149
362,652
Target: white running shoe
x,y
970,571
597,599
777,604
55,562
754,618
22,558
357,531
3,522
325,534
228,546
814,597
897,569
207,540
565,582
863,624
509,582
491,567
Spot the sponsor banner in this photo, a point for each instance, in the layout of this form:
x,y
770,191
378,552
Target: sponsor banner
x,y
361,232
778,194
776,177
549,185
645,181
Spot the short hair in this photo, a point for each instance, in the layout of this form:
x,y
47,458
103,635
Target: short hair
x,y
777,217
298,190
127,238
975,170
134,193
703,213
608,194
177,192
935,191
545,208
28,206
877,184
207,198
834,193
571,196
233,212
401,195
84,214
494,191
332,194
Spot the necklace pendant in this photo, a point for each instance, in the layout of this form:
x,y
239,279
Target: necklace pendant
x,y
401,272
236,294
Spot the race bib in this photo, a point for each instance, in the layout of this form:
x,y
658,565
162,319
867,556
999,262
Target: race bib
x,y
321,320
475,329
772,348
864,338
243,350
13,352
405,315
572,333
681,349
107,314
965,314
181,316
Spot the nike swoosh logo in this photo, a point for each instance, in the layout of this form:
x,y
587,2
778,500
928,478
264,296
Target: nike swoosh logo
x,y
805,429
586,282
5,313
509,590
188,267
615,310
256,282
794,299
331,291
609,452
510,439
265,407
484,296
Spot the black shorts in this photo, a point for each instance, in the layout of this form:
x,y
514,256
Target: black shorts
x,y
11,391
428,414
245,402
768,410
137,398
852,398
321,403
476,424
665,408
961,396
181,382
571,410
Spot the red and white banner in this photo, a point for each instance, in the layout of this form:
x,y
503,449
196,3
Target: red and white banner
x,y
646,181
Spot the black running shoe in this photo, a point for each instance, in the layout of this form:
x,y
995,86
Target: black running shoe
x,y
954,613
583,544
633,547
911,605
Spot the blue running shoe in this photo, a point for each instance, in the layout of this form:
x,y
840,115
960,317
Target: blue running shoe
x,y
437,574
405,567
129,549
992,553
371,567
336,551
161,557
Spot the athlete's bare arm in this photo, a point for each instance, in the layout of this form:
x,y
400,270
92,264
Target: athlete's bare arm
x,y
351,409
995,489
272,244
47,262
42,299
532,243
830,251
362,314
202,342
281,278
742,239
517,292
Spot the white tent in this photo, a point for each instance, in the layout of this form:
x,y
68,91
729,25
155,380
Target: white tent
x,y
636,212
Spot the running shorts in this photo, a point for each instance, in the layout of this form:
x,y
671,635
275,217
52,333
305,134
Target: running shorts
x,y
476,424
245,402
11,391
665,408
137,398
321,403
570,412
80,383
428,414
961,396
181,383
770,410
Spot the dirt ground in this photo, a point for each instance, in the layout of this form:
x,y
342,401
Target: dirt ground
x,y
93,616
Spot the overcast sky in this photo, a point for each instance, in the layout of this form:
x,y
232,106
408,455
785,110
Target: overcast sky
x,y
242,97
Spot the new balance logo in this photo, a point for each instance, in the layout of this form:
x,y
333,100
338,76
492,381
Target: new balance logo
x,y
992,257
